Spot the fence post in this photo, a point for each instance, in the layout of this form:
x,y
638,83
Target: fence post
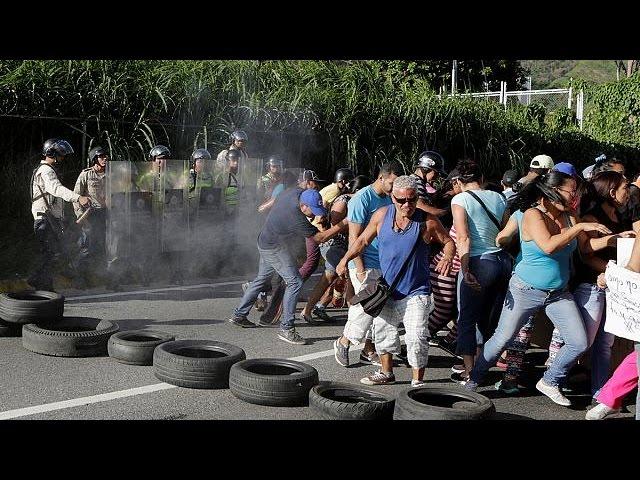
x,y
205,137
503,94
570,95
580,107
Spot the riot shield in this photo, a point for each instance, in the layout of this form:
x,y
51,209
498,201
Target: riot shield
x,y
118,191
174,216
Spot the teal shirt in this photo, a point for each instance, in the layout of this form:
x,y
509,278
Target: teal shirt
x,y
360,209
543,271
482,231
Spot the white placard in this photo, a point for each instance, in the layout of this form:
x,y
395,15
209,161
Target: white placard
x,y
624,247
623,302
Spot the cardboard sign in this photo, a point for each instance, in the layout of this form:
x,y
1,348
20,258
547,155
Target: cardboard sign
x,y
624,248
623,302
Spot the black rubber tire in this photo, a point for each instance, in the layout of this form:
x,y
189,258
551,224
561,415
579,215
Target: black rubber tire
x,y
69,337
135,347
31,306
10,329
208,371
343,401
276,382
442,403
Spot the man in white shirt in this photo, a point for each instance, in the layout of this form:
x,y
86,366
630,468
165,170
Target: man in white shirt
x,y
47,195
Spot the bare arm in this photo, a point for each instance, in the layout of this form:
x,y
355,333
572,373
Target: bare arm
x,y
322,237
338,212
81,189
463,242
360,243
534,227
355,229
634,261
590,242
507,234
436,233
422,205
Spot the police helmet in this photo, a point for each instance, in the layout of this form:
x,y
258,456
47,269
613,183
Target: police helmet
x,y
56,147
200,154
344,175
94,152
238,135
276,161
431,160
232,154
159,151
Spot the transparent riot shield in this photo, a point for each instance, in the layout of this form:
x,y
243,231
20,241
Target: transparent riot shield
x,y
174,217
118,185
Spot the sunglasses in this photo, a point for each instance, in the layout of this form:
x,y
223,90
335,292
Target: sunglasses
x,y
402,201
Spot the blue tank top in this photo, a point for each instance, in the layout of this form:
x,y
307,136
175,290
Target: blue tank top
x,y
393,249
543,271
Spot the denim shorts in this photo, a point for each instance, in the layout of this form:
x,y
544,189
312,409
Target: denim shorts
x,y
332,255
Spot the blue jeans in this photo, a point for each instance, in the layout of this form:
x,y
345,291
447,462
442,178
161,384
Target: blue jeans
x,y
523,301
480,310
281,261
591,302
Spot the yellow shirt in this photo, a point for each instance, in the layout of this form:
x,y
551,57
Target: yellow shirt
x,y
329,194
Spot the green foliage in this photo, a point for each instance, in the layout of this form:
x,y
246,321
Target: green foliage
x,y
611,110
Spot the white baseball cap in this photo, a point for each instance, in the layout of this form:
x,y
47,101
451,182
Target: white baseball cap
x,y
542,161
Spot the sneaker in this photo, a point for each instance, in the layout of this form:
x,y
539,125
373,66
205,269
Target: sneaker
x,y
262,323
341,353
241,322
470,385
600,412
417,383
458,369
379,378
459,378
433,342
291,336
321,313
553,392
508,388
309,319
371,358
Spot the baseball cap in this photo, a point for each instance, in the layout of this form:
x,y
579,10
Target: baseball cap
x,y
567,168
453,174
510,177
541,161
587,172
310,175
312,199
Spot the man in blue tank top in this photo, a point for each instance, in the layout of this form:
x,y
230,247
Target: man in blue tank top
x,y
398,229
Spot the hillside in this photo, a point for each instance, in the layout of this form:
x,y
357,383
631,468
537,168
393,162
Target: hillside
x,y
556,73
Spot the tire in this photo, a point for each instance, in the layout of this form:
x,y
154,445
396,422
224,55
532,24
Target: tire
x,y
31,306
342,401
442,403
10,329
201,364
135,347
276,382
69,337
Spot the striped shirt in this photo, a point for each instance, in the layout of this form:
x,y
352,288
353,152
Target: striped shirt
x,y
455,266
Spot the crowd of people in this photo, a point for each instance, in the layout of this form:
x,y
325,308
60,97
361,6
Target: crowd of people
x,y
468,263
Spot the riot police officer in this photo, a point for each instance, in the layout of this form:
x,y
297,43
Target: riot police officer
x,y
228,181
238,141
198,176
92,183
47,196
270,180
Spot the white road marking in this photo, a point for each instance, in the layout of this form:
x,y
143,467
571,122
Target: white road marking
x,y
105,397
158,290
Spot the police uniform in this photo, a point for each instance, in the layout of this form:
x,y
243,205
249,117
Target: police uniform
x,y
47,208
230,190
221,159
92,241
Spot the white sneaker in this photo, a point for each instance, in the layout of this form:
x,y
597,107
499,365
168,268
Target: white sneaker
x,y
600,412
553,393
417,383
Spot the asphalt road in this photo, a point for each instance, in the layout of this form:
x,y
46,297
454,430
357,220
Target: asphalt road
x,y
99,388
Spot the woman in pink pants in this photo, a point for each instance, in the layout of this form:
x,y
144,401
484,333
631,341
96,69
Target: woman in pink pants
x,y
623,381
